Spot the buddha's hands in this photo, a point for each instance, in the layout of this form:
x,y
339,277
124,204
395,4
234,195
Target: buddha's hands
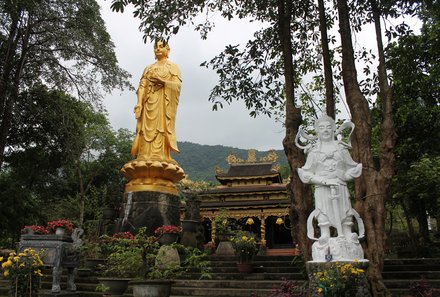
x,y
157,82
137,111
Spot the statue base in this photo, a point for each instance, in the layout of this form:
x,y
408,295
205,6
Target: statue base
x,y
149,209
148,175
340,249
360,289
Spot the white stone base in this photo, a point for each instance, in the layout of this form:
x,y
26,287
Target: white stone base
x,y
341,249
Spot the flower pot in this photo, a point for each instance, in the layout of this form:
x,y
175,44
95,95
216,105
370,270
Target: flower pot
x,y
93,263
151,288
225,248
117,286
224,236
244,267
190,225
168,238
60,231
189,235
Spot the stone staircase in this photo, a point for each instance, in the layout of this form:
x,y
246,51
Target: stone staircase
x,y
268,273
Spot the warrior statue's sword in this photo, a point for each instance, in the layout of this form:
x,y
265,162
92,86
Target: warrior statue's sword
x,y
334,195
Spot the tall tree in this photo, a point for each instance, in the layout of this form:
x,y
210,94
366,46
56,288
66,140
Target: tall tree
x,y
62,43
372,187
61,152
414,61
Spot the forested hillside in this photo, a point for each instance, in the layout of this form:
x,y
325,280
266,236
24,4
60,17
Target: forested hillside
x,y
199,161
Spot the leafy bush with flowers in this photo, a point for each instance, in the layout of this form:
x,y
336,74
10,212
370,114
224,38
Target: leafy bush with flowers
x,y
341,279
60,223
421,288
24,272
170,229
102,247
288,288
138,259
35,229
223,225
245,246
123,235
209,247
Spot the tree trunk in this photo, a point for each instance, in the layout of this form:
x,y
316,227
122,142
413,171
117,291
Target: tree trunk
x,y
422,219
6,98
412,233
328,74
373,185
299,193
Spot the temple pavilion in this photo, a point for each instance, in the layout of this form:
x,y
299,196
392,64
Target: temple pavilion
x,y
253,195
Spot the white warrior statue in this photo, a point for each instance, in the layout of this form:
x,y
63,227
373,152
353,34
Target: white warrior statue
x,y
329,167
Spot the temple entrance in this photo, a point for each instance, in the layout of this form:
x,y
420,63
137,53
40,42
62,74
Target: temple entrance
x,y
278,233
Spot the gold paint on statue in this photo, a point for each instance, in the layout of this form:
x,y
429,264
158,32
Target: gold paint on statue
x,y
157,99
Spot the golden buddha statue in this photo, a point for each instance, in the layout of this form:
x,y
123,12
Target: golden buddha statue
x,y
155,111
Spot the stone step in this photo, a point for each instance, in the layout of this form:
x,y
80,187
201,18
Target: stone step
x,y
411,267
398,274
251,276
428,275
255,269
412,261
406,283
259,284
228,292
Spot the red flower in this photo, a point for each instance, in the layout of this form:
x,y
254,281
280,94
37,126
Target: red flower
x,y
60,223
36,228
167,229
123,235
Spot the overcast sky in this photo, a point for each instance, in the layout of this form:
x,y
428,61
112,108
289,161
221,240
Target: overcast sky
x,y
196,122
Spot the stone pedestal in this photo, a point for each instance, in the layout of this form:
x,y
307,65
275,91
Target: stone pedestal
x,y
225,248
149,209
313,267
340,248
58,251
167,257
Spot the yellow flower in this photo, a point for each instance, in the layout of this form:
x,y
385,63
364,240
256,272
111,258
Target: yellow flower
x,y
6,273
7,264
1,259
38,272
244,237
320,290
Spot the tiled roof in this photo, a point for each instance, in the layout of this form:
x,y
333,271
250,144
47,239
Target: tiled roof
x,y
249,169
247,189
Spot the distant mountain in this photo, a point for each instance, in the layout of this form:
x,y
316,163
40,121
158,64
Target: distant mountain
x,y
199,161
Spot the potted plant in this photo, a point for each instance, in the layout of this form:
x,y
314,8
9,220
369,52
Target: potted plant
x,y
60,226
223,233
209,248
123,263
339,279
245,247
34,229
92,254
24,271
154,276
223,229
167,234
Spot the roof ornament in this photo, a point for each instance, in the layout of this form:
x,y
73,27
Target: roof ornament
x,y
271,157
